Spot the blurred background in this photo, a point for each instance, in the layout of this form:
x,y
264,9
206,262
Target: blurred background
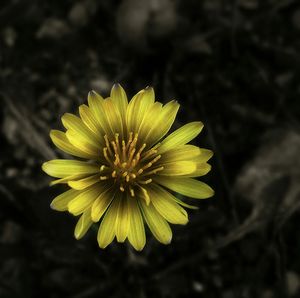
x,y
234,65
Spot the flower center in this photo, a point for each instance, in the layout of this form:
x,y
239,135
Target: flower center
x,y
127,164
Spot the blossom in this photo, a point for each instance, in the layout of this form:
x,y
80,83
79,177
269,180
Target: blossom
x,y
128,169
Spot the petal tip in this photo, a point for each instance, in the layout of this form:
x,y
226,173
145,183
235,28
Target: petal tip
x,y
116,86
44,166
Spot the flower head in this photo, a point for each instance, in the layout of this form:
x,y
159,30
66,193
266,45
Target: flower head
x,y
127,167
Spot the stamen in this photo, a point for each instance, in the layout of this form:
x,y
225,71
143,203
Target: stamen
x,y
138,155
134,141
102,168
106,155
115,147
131,191
130,139
133,163
147,166
130,154
123,150
117,160
145,195
156,159
107,144
154,171
117,141
149,153
126,162
145,182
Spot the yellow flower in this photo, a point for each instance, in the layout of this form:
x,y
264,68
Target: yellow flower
x,y
127,167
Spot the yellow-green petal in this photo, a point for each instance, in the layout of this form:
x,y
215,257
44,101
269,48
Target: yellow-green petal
x,y
84,200
178,168
83,145
113,116
106,232
61,141
163,123
182,153
85,182
76,125
136,234
89,120
123,218
154,109
181,136
60,203
156,223
67,179
97,106
83,224
119,98
62,168
143,193
187,187
101,204
201,170
205,155
164,203
185,204
138,109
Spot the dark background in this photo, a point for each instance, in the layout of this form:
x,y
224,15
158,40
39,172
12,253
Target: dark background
x,y
235,65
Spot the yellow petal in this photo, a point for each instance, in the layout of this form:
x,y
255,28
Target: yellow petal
x,y
67,179
84,200
150,118
136,234
113,116
97,106
187,187
201,170
138,108
185,204
205,155
156,223
60,203
85,182
75,124
123,218
83,224
164,203
106,232
61,141
89,120
92,151
101,204
182,153
119,98
181,136
163,123
143,193
178,168
62,168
